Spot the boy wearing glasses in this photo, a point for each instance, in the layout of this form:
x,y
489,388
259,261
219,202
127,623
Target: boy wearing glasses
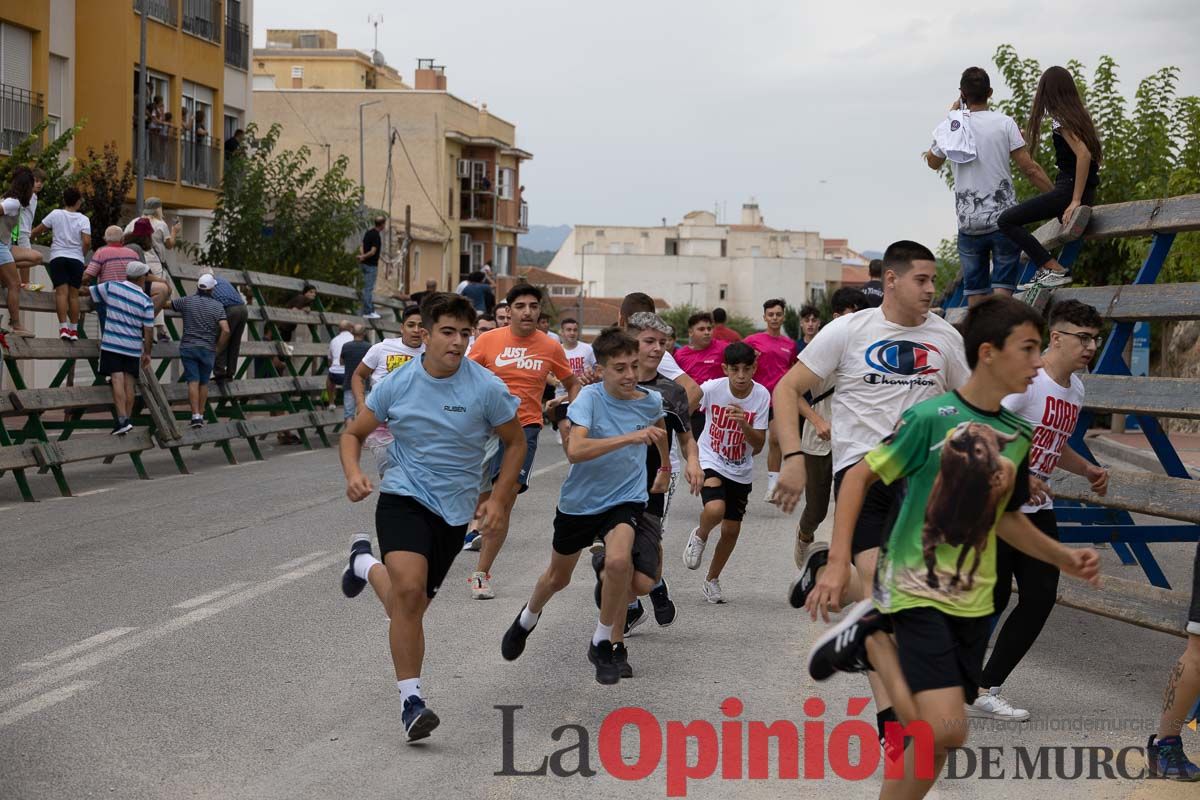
x,y
1051,405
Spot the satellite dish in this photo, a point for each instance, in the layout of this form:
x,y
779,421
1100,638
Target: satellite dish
x,y
377,59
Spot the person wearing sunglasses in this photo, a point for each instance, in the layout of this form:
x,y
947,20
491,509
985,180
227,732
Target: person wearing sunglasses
x,y
1051,405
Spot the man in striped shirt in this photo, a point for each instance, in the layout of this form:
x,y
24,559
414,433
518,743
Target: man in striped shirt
x,y
127,337
205,331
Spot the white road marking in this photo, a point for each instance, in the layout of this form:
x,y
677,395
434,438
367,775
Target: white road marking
x,y
213,595
295,562
120,647
75,649
304,453
92,492
548,468
42,701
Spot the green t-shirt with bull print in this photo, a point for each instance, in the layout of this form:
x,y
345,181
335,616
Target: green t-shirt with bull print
x,y
963,467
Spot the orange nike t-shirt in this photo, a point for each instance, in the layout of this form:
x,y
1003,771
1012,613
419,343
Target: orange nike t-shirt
x,y
523,364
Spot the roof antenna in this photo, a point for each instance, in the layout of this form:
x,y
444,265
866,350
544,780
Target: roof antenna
x,y
375,20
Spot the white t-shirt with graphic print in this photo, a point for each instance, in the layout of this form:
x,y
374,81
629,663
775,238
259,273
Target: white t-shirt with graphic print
x,y
723,445
984,187
1052,409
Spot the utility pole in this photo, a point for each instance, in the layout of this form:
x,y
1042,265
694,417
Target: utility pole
x,y
139,113
582,255
405,278
388,184
362,172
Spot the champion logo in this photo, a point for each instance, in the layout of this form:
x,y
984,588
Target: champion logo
x,y
902,357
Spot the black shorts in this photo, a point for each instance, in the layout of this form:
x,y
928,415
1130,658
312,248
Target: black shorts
x,y
735,495
879,510
697,424
113,363
67,271
647,544
401,523
574,532
938,651
1193,626
337,378
560,412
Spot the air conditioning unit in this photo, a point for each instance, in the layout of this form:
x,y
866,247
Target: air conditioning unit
x,y
464,168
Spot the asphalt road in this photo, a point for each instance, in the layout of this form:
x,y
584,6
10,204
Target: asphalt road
x,y
186,638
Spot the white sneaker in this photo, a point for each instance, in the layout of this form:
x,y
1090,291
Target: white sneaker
x,y
372,315
693,551
480,588
770,495
993,706
712,591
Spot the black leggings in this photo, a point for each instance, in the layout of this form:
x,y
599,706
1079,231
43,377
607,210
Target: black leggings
x,y
1046,206
1037,585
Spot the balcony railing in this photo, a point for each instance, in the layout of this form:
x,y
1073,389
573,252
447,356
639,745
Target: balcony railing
x,y
200,161
203,18
237,44
20,112
162,151
165,11
524,215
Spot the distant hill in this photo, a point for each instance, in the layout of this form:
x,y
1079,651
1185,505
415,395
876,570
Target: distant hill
x,y
534,258
545,237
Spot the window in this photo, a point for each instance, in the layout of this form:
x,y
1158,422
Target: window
x,y
477,255
616,248
724,248
297,72
16,57
505,181
502,260
56,105
196,114
416,260
558,290
231,123
723,292
756,252
672,247
816,294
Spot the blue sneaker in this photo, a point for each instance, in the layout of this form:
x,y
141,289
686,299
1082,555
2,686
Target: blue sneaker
x,y
418,720
1168,761
472,541
352,585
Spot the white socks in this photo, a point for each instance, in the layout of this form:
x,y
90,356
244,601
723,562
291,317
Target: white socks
x,y
362,565
409,687
772,479
603,633
528,618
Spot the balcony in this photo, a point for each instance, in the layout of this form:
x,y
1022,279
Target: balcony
x,y
165,11
20,112
524,219
202,18
237,44
162,152
200,161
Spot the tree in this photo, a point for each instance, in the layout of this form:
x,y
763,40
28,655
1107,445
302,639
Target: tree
x,y
104,183
277,213
677,317
1150,151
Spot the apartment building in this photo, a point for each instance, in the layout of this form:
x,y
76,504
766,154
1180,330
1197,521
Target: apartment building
x,y
700,262
78,60
311,59
454,163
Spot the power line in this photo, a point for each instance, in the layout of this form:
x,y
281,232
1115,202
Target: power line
x,y
417,175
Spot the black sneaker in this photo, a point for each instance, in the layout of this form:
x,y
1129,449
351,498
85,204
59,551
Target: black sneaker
x,y
664,606
634,616
121,427
352,585
601,655
1168,761
620,657
842,648
598,568
197,422
818,557
513,643
418,720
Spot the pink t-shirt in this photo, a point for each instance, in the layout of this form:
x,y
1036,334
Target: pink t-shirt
x,y
702,365
776,354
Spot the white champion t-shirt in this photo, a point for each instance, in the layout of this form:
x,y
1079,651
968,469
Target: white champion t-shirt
x,y
1052,410
984,187
68,228
881,370
722,444
389,354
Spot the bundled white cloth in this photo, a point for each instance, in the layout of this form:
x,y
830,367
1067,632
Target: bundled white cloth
x,y
954,138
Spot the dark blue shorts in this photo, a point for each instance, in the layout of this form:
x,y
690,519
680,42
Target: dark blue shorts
x,y
989,260
197,364
531,445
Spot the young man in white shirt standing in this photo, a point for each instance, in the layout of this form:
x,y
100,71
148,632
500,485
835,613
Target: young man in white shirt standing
x,y
1051,405
883,361
335,378
983,188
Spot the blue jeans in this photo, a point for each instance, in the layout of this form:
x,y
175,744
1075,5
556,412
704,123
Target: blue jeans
x,y
197,364
348,403
978,252
369,271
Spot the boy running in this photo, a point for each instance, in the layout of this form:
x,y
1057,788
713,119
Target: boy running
x,y
965,459
776,354
440,411
735,423
521,356
1051,405
603,497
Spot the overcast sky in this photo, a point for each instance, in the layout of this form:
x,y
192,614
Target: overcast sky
x,y
636,111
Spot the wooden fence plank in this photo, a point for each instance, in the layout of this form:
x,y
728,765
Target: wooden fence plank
x,y
1159,397
1140,493
1147,606
1136,218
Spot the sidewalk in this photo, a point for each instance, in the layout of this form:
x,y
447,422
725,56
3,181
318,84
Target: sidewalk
x,y
1186,444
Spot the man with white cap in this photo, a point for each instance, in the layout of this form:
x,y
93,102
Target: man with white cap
x,y
127,336
205,329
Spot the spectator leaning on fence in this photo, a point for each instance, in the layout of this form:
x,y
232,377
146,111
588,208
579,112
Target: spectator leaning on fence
x,y
226,365
127,336
72,239
335,378
13,259
205,330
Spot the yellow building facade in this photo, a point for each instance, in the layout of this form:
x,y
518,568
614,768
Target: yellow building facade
x,y
311,59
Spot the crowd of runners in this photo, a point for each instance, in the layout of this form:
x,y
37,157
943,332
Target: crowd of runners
x,y
937,442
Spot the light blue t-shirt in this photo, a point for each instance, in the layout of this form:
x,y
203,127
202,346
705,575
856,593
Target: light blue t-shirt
x,y
616,477
441,426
